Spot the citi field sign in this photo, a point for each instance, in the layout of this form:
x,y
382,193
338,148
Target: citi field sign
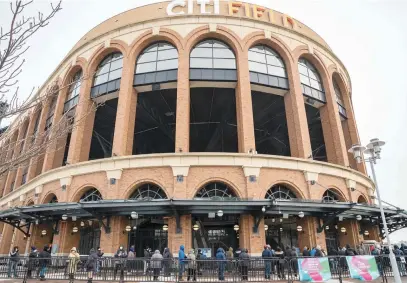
x,y
233,8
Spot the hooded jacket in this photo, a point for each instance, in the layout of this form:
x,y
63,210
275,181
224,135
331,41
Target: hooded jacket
x,y
229,254
44,257
156,260
181,255
244,258
266,253
91,262
167,254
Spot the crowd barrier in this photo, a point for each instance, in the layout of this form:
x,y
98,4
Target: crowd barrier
x,y
170,270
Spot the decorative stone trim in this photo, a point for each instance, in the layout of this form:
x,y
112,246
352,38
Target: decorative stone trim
x,y
114,174
180,171
311,176
65,181
251,171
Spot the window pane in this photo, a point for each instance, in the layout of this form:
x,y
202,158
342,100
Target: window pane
x,y
269,51
102,70
151,48
116,65
218,44
206,43
116,56
201,63
115,74
101,79
146,68
254,77
165,46
315,84
259,48
223,53
276,71
254,56
167,54
224,63
304,80
263,79
147,57
273,81
303,70
201,52
313,75
257,67
167,65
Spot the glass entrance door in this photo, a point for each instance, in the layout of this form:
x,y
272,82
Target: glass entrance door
x,y
89,239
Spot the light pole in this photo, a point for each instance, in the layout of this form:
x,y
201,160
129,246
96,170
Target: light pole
x,y
374,149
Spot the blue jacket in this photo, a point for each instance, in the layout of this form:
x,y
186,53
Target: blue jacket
x,y
181,255
220,255
266,253
313,251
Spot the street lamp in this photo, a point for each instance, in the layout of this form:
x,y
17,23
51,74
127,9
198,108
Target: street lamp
x,y
75,229
43,233
266,227
134,215
64,217
358,217
374,149
165,227
220,213
299,228
300,214
236,227
195,227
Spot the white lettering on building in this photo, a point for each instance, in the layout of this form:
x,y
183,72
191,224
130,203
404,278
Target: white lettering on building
x,y
182,3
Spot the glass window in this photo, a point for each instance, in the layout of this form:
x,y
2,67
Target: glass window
x,y
280,192
75,86
212,54
216,190
91,195
110,69
148,192
157,57
338,94
309,75
262,59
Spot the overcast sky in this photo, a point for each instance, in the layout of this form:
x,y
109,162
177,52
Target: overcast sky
x,y
368,36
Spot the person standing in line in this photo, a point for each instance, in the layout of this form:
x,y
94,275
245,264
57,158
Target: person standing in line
x,y
147,255
181,262
167,257
305,252
13,262
294,261
350,251
120,256
191,265
131,256
281,263
244,259
155,264
318,252
100,254
91,264
32,261
229,257
221,261
73,263
266,255
44,261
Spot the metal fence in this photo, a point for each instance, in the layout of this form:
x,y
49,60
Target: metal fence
x,y
145,270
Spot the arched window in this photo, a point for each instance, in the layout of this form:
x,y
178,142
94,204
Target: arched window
x,y
266,67
51,111
330,196
157,63
362,199
212,60
216,190
108,75
73,92
311,81
54,199
91,195
339,100
148,192
280,192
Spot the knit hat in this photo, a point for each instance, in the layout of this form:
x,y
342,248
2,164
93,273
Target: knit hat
x,y
33,248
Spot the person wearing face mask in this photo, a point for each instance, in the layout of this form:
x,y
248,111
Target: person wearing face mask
x,y
120,261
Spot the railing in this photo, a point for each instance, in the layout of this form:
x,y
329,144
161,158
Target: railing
x,y
170,270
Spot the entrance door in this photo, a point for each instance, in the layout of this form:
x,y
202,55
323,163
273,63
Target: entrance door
x,y
90,239
332,242
281,234
149,234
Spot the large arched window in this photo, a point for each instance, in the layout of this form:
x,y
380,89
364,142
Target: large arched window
x,y
108,75
212,60
339,100
148,192
311,81
216,190
280,192
51,111
158,63
266,67
330,196
362,199
91,195
73,93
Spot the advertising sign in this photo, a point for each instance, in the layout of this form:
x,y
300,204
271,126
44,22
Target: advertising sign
x,y
363,267
314,269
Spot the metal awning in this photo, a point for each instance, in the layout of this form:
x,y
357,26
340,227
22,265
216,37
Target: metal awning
x,y
175,207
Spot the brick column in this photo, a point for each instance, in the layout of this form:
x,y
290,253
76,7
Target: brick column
x,y
52,148
59,240
244,107
6,239
34,162
351,133
250,240
126,112
300,144
68,239
84,118
373,233
184,238
11,175
183,103
3,180
331,125
306,238
110,242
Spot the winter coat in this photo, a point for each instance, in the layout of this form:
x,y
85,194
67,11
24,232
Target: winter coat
x,y
351,252
375,252
131,254
244,259
313,251
306,253
73,262
14,256
318,253
147,253
181,255
191,260
220,257
44,258
91,262
100,254
33,259
280,255
266,253
156,260
229,254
